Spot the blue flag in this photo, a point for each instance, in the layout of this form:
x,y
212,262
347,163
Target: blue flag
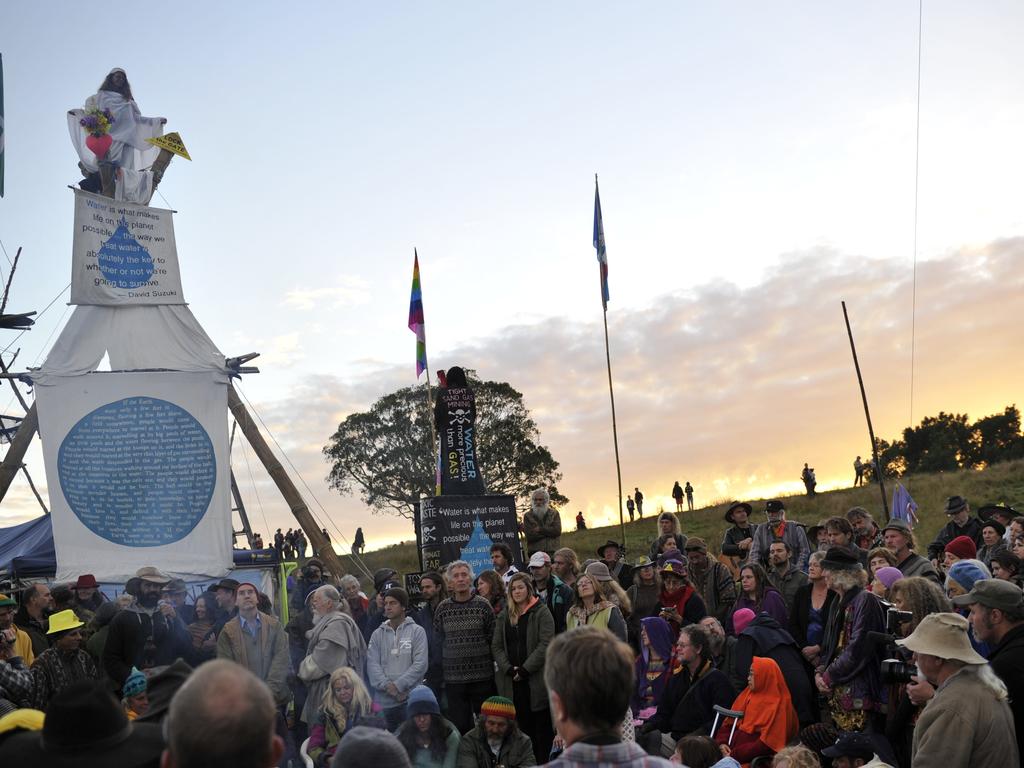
x,y
903,505
602,254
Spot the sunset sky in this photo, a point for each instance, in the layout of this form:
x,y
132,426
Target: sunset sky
x,y
757,166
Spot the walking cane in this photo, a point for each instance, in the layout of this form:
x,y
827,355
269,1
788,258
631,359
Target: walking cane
x,y
723,713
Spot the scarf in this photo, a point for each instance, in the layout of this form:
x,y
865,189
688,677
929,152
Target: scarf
x,y
767,708
515,620
677,599
582,614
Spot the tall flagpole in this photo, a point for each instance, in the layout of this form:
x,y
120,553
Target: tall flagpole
x,y
602,259
417,323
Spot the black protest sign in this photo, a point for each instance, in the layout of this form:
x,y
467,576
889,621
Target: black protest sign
x,y
452,528
455,418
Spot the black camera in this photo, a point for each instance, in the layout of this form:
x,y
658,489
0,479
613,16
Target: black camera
x,y
894,618
897,671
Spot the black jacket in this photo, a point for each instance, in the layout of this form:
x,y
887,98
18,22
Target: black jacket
x,y
764,637
1007,661
800,615
35,632
972,529
687,707
733,537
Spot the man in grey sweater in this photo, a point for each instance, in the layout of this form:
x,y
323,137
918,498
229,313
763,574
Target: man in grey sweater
x,y
396,660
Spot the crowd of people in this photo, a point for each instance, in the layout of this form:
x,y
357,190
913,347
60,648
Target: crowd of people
x,y
835,644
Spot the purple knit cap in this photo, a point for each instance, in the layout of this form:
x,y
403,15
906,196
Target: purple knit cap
x,y
888,575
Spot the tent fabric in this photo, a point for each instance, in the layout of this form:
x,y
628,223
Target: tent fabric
x,y
144,337
28,547
27,550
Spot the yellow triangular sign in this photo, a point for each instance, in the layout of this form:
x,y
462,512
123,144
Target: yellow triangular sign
x,y
172,143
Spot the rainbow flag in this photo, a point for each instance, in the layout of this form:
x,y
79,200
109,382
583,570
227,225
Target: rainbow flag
x,y
416,324
602,254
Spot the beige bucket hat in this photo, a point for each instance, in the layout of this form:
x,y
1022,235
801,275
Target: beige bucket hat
x,y
943,635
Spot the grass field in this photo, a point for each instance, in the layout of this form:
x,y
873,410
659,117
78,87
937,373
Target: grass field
x,y
999,484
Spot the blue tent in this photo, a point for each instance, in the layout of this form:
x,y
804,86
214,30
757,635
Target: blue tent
x,y
27,549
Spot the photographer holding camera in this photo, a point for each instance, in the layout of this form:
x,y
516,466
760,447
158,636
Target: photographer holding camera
x,y
968,723
913,599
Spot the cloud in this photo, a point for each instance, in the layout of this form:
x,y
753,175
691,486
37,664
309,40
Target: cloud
x,y
731,388
348,291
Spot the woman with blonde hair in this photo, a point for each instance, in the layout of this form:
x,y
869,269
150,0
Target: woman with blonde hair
x,y
798,756
610,587
591,607
519,645
346,701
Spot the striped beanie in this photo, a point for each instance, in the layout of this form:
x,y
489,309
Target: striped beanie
x,y
135,684
498,706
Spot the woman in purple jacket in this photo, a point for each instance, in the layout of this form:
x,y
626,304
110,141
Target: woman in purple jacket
x,y
759,596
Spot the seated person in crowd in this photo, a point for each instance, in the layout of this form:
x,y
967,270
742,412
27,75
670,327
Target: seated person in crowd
x,y
769,721
345,703
496,739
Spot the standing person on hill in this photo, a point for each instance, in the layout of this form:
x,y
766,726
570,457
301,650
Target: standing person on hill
x,y
899,539
677,496
960,524
396,660
858,472
630,507
778,528
740,537
359,542
521,637
542,524
688,490
639,499
550,589
711,579
668,523
465,627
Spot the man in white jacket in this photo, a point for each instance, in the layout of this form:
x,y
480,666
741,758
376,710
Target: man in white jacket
x,y
396,659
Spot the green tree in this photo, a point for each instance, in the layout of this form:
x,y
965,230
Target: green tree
x,y
385,453
996,438
940,444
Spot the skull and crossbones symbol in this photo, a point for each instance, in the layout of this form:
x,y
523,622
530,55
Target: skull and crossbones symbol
x,y
459,416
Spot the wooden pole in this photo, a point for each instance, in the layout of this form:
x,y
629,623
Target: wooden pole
x,y
284,483
240,507
867,414
611,390
615,428
13,460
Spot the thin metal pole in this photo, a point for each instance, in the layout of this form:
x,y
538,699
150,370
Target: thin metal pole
x,y
615,428
867,414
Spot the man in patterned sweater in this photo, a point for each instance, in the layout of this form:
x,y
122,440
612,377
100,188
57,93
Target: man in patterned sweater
x,y
464,624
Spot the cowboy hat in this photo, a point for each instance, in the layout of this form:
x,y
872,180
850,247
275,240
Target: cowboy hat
x,y
603,547
943,635
733,507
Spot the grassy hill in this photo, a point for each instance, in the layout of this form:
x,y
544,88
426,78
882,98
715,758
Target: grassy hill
x,y
1001,483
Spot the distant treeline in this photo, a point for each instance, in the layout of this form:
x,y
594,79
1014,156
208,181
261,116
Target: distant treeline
x,y
949,442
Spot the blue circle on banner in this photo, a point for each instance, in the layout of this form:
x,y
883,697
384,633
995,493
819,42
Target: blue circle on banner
x,y
123,260
138,472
